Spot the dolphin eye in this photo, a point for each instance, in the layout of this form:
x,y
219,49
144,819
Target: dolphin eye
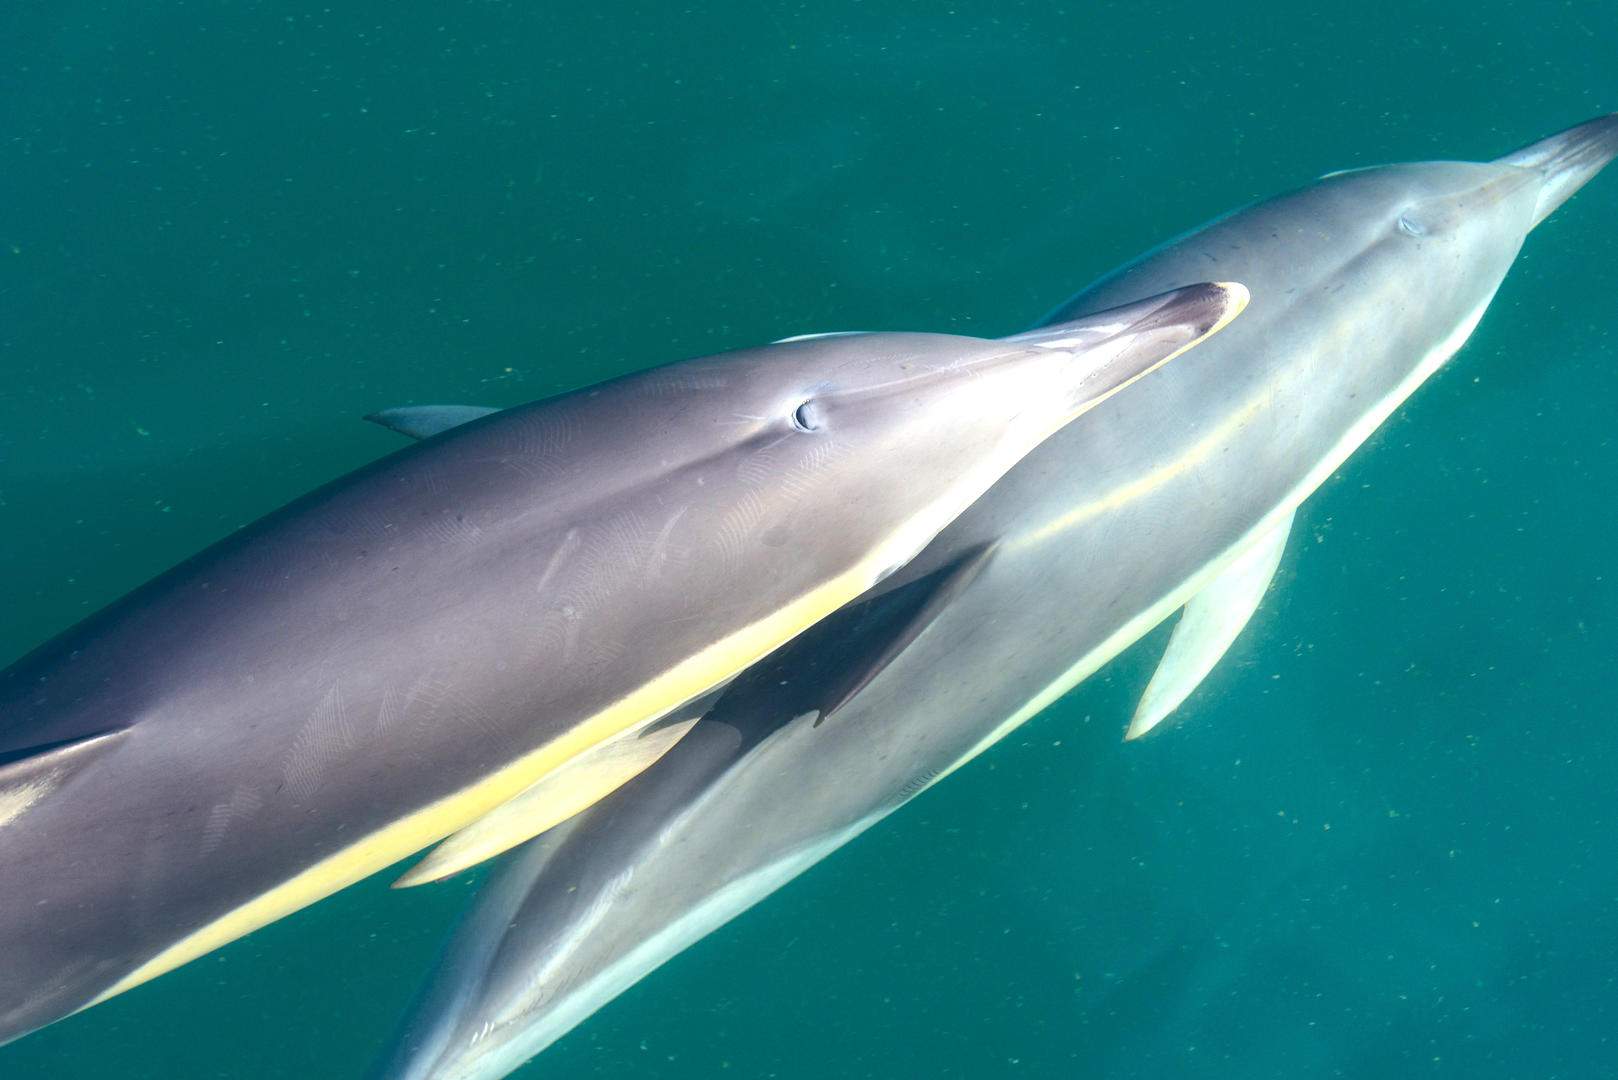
x,y
1410,226
806,417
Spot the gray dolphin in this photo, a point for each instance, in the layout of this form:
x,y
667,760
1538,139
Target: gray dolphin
x,y
1179,493
506,610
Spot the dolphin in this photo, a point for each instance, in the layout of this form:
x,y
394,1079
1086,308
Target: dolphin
x,y
512,608
1177,494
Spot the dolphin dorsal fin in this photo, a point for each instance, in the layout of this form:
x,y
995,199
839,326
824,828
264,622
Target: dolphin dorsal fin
x,y
425,421
30,774
816,337
1212,620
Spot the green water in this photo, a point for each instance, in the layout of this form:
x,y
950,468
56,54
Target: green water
x,y
1381,841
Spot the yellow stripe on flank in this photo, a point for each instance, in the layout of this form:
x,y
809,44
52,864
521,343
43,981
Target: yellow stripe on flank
x,y
689,679
1220,434
578,784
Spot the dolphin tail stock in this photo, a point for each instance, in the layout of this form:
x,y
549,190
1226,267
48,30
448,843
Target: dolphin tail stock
x,y
1567,160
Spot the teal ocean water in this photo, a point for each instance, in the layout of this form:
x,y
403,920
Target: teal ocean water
x,y
1380,841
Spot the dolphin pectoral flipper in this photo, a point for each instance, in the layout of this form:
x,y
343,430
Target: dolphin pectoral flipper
x,y
425,421
1212,620
569,789
833,661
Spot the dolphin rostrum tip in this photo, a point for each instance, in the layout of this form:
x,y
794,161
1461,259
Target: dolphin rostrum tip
x,y
1235,297
1223,300
1240,297
1567,160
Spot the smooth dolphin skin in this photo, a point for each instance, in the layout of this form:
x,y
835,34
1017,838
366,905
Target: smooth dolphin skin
x,y
1177,493
394,656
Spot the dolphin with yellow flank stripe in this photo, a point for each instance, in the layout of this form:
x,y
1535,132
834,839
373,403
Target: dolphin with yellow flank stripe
x,y
1177,494
513,610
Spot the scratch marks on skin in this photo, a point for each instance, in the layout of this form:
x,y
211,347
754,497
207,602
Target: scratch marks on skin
x,y
424,705
244,802
150,892
623,544
538,445
388,710
430,704
683,379
762,451
799,481
596,568
555,631
625,540
326,737
429,479
564,550
658,556
450,527
428,696
739,524
574,583
780,488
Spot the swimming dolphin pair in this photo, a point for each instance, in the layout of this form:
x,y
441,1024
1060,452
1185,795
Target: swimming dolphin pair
x,y
484,633
1180,493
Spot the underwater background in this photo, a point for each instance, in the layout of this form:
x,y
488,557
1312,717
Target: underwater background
x,y
1380,841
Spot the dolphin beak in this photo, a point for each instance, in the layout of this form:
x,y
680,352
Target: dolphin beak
x,y
1566,161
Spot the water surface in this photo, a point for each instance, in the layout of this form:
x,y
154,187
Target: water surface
x,y
1381,840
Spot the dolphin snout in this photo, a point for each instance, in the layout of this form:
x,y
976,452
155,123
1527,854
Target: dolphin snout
x,y
1567,160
